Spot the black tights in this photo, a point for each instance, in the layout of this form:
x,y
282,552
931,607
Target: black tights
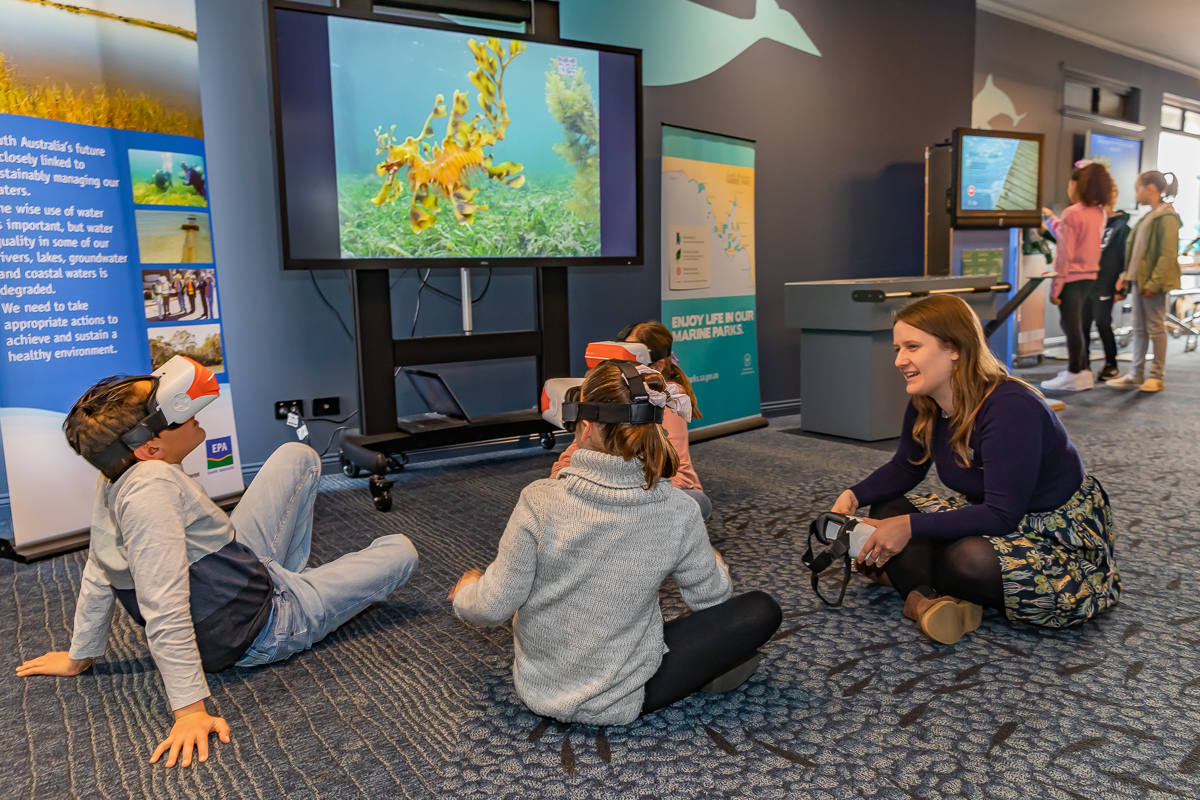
x,y
1074,297
965,568
705,645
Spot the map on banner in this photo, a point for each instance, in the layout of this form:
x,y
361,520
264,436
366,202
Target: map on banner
x,y
709,241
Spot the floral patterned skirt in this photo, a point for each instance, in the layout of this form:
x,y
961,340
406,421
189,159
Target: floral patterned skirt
x,y
1058,567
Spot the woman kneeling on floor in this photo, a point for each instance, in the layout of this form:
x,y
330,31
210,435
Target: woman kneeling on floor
x,y
1030,533
581,562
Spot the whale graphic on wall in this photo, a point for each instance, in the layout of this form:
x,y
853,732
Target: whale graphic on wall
x,y
680,40
991,103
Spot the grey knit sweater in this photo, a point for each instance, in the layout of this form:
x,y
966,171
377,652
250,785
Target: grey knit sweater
x,y
580,564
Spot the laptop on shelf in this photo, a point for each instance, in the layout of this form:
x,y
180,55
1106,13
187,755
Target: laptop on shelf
x,y
444,409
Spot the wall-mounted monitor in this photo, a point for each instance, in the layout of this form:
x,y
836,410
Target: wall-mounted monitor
x,y
1123,157
404,143
997,179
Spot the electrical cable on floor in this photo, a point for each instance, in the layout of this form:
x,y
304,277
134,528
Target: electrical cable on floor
x,y
329,305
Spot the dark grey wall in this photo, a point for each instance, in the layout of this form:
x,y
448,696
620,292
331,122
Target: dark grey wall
x,y
1027,64
840,148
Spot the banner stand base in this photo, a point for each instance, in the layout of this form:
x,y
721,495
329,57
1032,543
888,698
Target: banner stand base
x,y
726,428
33,552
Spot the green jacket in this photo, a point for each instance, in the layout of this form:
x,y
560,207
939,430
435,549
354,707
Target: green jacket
x,y
1159,269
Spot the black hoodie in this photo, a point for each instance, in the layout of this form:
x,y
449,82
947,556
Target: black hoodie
x,y
1112,254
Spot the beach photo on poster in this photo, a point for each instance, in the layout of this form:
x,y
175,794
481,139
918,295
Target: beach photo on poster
x,y
479,147
130,64
201,343
173,237
179,295
167,179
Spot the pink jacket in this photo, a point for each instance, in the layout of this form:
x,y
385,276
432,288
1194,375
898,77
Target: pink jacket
x,y
1079,234
677,432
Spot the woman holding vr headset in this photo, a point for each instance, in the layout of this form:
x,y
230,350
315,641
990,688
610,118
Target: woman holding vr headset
x,y
1029,533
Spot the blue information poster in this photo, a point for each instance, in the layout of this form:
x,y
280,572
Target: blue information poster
x,y
106,254
708,270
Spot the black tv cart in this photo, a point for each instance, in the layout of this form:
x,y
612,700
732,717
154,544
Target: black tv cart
x,y
382,445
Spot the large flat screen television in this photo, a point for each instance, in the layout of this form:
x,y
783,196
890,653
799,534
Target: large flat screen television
x,y
997,179
406,143
1123,157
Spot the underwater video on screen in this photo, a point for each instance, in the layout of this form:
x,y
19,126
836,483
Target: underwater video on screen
x,y
453,145
998,174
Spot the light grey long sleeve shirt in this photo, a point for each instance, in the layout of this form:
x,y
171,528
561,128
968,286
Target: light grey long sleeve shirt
x,y
580,565
154,531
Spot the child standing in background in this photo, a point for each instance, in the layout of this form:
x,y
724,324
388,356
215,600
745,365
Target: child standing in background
x,y
1076,264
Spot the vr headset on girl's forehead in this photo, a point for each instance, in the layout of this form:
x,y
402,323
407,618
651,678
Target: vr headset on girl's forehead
x,y
181,388
655,355
561,405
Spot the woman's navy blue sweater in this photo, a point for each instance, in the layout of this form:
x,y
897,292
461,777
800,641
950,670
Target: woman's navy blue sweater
x,y
1021,461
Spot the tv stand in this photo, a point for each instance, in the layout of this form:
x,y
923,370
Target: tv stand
x,y
382,445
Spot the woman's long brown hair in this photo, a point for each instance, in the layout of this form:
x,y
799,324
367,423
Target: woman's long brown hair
x,y
975,374
657,336
647,443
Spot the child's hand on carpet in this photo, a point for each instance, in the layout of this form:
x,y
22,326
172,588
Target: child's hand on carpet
x,y
54,663
469,577
191,730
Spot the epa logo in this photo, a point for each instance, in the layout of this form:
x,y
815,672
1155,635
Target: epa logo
x,y
220,453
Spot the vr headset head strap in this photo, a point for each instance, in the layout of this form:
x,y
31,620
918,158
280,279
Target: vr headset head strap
x,y
639,411
661,354
839,548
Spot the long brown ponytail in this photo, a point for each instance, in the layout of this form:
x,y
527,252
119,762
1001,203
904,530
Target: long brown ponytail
x,y
658,337
976,372
647,443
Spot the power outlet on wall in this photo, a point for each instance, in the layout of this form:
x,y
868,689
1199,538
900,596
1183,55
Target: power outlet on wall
x,y
282,407
327,406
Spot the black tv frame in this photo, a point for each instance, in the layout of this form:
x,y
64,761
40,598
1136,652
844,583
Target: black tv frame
x,y
292,263
994,219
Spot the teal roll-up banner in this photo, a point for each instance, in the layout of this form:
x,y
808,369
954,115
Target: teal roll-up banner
x,y
708,271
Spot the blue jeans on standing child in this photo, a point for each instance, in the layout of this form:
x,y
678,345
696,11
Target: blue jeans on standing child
x,y
274,519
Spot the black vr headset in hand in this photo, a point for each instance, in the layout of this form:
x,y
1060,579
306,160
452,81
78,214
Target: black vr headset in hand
x,y
844,537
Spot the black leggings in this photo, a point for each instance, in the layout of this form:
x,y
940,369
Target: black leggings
x,y
966,568
707,644
1074,297
1099,309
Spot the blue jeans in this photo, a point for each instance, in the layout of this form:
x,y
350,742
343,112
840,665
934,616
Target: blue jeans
x,y
274,519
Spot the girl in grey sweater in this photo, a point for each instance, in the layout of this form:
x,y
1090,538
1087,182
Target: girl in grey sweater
x,y
581,562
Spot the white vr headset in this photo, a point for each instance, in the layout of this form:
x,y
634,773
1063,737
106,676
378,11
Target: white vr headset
x,y
560,396
182,387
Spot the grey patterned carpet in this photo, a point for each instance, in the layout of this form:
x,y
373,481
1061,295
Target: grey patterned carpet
x,y
407,701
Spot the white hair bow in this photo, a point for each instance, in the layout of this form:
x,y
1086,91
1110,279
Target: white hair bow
x,y
675,398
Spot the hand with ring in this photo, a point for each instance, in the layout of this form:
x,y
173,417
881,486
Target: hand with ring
x,y
890,537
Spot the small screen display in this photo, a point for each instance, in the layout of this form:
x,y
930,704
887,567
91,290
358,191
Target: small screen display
x,y
998,174
1123,158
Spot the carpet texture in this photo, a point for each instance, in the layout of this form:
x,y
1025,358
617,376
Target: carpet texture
x,y
406,701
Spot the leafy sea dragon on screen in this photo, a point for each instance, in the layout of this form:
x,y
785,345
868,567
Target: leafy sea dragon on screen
x,y
443,171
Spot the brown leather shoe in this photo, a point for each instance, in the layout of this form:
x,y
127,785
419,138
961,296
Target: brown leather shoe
x,y
942,619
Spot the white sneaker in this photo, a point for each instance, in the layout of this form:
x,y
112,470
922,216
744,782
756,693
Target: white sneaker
x,y
1067,381
1055,382
1124,382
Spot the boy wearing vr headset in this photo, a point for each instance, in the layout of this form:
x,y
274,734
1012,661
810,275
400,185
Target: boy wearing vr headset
x,y
583,557
211,590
